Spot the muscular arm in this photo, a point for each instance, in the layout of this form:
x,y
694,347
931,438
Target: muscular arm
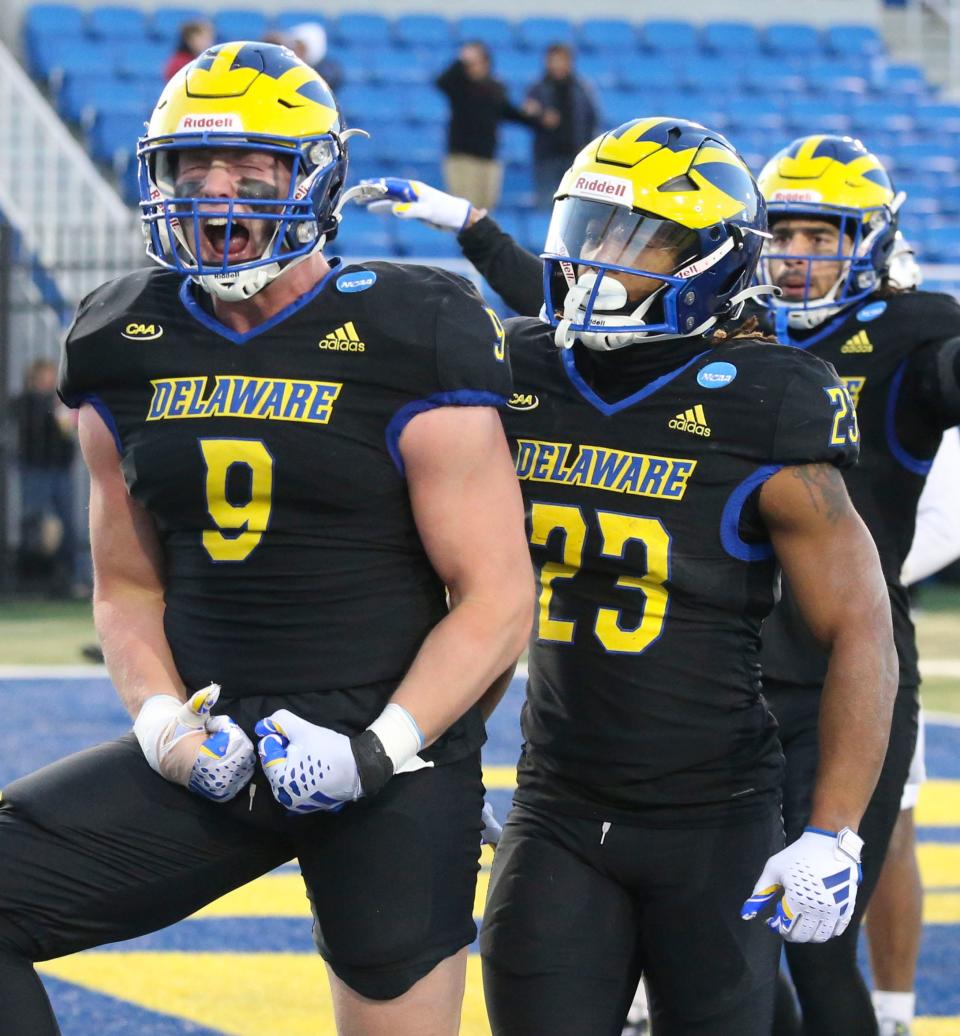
x,y
831,562
128,577
469,513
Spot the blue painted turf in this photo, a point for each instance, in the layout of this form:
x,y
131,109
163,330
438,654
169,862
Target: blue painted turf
x,y
45,719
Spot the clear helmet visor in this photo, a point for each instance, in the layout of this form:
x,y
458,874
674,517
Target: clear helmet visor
x,y
613,237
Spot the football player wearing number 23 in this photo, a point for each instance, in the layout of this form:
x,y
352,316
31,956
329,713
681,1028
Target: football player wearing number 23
x,y
669,466
293,465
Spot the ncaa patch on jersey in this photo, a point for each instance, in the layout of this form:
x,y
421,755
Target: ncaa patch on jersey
x,y
351,282
871,311
716,375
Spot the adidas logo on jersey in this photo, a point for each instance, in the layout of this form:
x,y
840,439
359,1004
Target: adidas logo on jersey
x,y
693,420
345,340
859,343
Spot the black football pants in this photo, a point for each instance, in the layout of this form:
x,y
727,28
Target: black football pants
x,y
575,916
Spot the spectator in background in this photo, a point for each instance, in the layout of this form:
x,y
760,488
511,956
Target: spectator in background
x,y
568,112
478,104
195,37
308,41
46,444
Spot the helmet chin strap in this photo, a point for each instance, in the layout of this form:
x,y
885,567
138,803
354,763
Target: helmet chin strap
x,y
614,297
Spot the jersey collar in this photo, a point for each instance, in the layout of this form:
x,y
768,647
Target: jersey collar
x,y
210,322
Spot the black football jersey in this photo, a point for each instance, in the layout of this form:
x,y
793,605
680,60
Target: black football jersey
x,y
655,571
876,350
269,462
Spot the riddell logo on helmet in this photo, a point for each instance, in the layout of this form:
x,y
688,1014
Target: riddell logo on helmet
x,y
798,196
228,121
607,188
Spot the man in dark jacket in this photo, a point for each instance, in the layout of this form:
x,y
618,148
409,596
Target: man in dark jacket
x,y
569,119
478,104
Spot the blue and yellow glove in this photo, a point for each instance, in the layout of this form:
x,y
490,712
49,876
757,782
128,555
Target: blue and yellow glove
x,y
412,199
185,744
815,880
314,769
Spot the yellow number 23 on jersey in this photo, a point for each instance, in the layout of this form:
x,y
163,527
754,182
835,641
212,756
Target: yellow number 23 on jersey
x,y
616,532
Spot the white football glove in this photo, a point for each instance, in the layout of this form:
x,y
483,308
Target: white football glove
x,y
210,755
412,199
492,828
818,875
313,768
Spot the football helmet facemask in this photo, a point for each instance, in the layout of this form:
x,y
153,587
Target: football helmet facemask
x,y
252,98
672,206
838,181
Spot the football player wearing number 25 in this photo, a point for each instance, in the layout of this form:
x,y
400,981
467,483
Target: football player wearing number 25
x,y
301,489
669,466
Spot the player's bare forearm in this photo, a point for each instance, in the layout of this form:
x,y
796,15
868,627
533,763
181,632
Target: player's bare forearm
x,y
495,692
128,600
831,563
464,657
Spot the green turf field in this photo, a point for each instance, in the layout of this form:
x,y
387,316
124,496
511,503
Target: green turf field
x,y
54,633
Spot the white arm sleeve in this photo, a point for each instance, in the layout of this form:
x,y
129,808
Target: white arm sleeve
x,y
936,541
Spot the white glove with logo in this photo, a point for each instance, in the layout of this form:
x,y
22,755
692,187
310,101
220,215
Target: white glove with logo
x,y
312,768
411,199
818,875
210,755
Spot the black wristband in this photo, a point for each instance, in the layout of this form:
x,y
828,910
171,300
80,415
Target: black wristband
x,y
374,766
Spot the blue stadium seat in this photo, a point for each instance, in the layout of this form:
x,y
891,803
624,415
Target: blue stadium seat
x,y
167,21
113,138
927,156
538,33
145,62
518,190
497,33
117,22
891,115
845,40
426,105
599,69
364,235
416,239
937,118
427,172
904,79
519,69
606,36
240,24
735,39
423,31
376,102
669,37
77,56
642,71
764,76
805,116
285,20
839,82
941,244
948,197
54,19
515,145
389,65
365,30
512,222
754,114
84,98
792,40
713,74
356,63
535,237
620,106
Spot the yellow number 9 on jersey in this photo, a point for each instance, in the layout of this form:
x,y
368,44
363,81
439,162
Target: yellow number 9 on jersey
x,y
240,527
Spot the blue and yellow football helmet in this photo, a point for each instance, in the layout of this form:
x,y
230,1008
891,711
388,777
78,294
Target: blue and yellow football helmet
x,y
835,180
251,97
660,199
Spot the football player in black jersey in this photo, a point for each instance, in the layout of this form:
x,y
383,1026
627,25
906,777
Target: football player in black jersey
x,y
833,217
292,463
668,468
